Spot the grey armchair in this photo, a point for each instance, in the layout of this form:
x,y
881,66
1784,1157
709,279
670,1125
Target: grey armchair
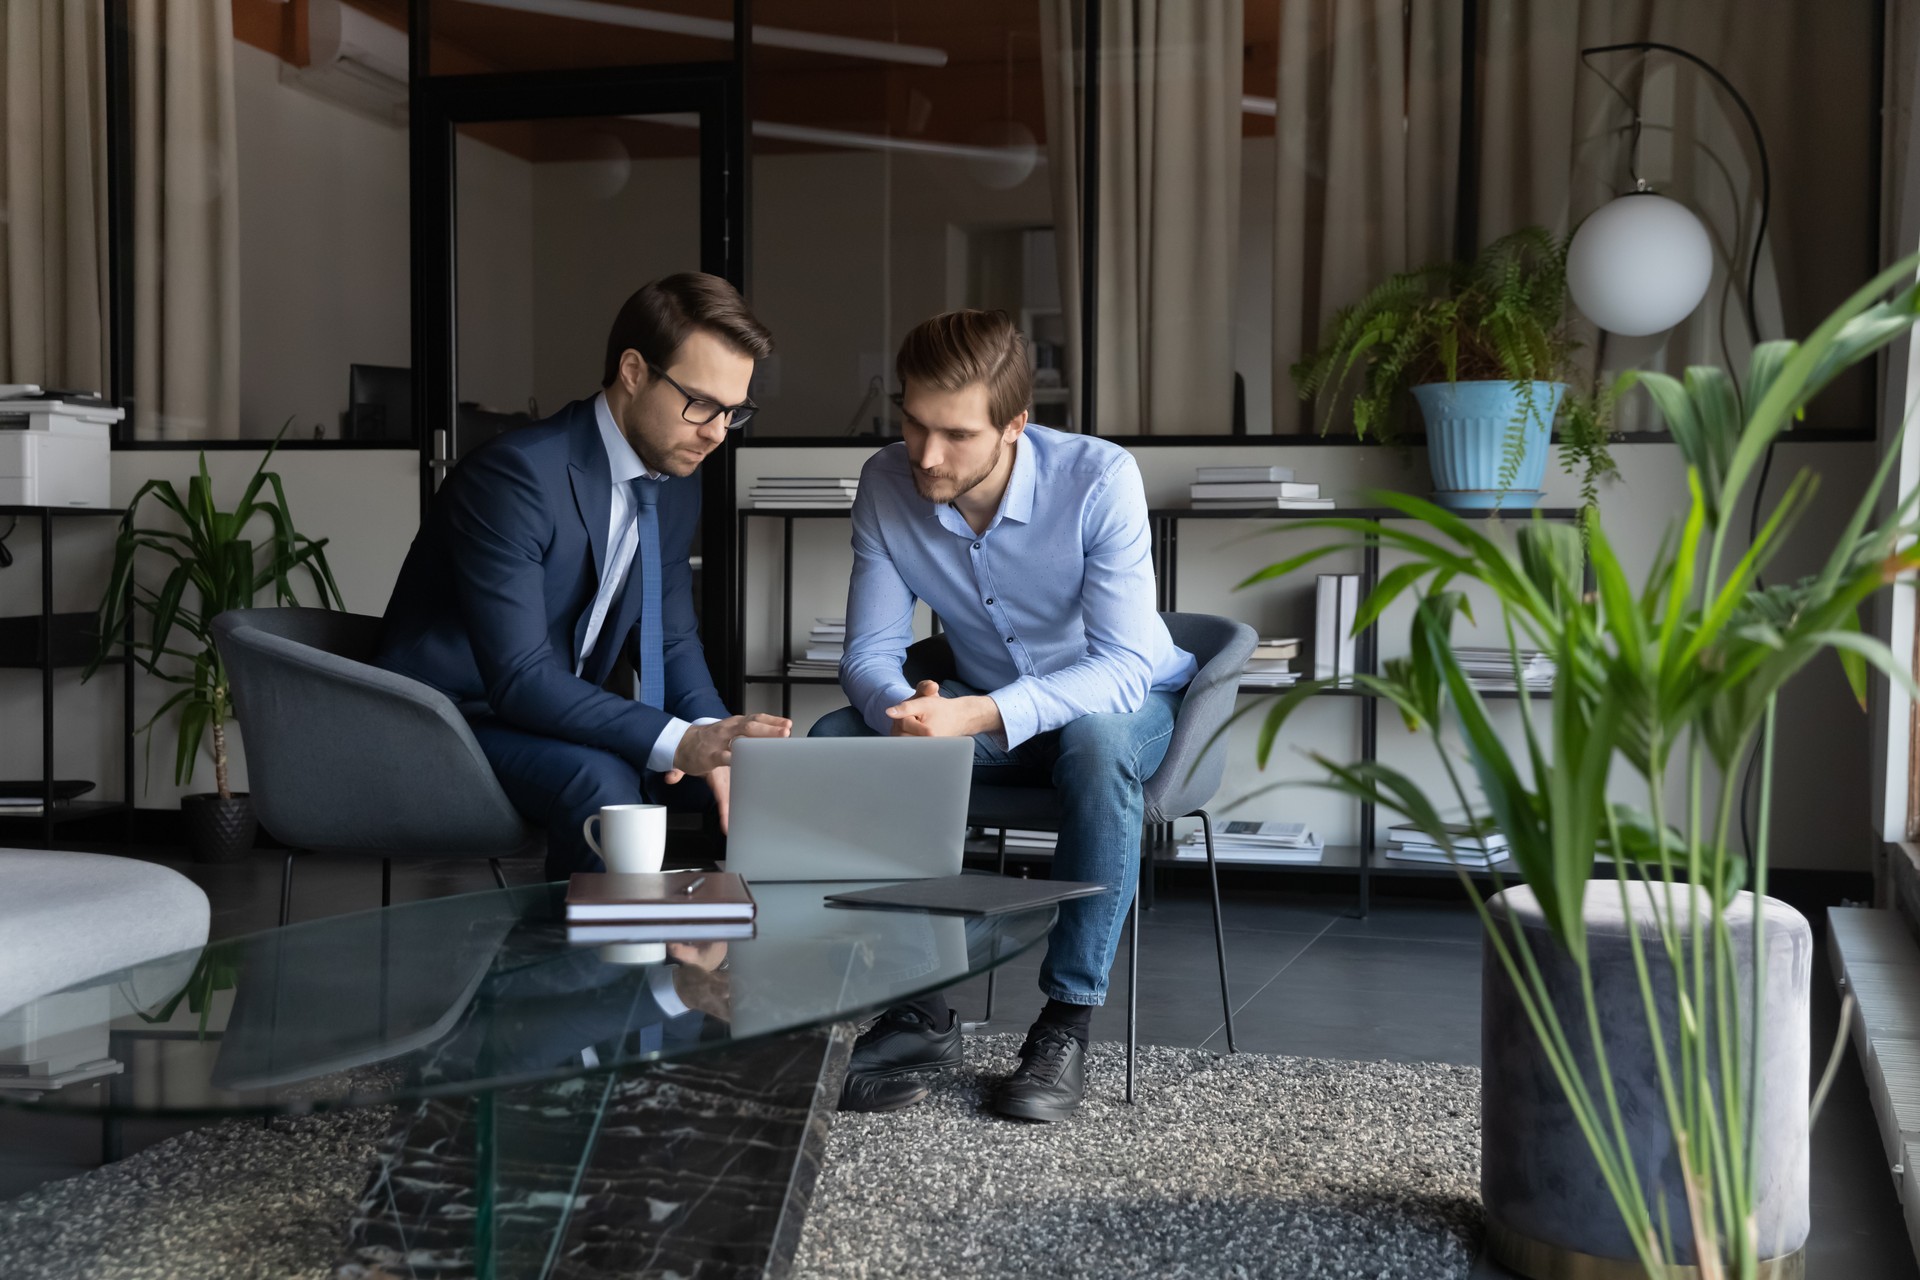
x,y
346,757
1181,787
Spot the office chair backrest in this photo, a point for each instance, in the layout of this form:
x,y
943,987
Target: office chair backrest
x,y
1195,762
344,755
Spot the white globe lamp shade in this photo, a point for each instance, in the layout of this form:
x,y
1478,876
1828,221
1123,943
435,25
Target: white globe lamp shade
x,y
1639,265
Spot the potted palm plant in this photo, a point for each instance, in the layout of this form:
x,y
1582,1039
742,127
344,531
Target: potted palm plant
x,y
1486,349
1671,682
213,564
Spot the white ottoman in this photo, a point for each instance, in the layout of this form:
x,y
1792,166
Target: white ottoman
x,y
67,917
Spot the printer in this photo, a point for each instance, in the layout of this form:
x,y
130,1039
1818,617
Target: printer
x,y
55,452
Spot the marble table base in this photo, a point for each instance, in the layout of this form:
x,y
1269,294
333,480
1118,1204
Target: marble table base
x,y
702,1168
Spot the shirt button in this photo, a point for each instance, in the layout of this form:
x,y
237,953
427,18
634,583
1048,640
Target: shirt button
x,y
976,546
1009,639
989,599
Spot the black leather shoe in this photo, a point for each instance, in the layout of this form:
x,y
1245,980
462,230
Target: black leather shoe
x,y
880,1093
905,1040
1051,1079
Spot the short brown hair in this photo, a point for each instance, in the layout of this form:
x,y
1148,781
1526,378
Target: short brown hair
x,y
960,348
661,313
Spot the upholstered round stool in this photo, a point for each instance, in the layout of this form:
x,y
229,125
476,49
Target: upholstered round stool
x,y
1549,1214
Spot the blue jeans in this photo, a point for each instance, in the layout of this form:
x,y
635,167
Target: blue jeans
x,y
1097,766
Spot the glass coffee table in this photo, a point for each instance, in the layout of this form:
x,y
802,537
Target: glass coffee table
x,y
613,1102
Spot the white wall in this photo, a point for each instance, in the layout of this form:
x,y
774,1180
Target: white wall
x,y
493,275
599,231
324,252
1823,815
323,249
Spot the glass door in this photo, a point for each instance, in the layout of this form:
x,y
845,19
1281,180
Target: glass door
x,y
540,201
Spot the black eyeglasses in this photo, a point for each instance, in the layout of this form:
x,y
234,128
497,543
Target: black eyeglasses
x,y
700,411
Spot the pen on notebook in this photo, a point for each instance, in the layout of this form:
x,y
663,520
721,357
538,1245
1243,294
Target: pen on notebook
x,y
695,885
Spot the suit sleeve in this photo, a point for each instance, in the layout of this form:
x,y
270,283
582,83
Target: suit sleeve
x,y
500,530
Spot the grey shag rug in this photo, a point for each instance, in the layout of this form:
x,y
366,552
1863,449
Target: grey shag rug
x,y
1246,1165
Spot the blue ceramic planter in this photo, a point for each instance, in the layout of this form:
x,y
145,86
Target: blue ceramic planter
x,y
1467,426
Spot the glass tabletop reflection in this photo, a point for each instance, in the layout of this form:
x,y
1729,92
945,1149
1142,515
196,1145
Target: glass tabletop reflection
x,y
465,994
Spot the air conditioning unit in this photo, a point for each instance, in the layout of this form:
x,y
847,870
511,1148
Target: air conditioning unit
x,y
354,59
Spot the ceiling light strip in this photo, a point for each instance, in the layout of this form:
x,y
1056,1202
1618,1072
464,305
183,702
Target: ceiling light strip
x,y
617,15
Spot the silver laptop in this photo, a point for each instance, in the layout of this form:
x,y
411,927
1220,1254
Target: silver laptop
x,y
849,808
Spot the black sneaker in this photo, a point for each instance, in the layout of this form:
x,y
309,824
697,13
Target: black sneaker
x,y
880,1093
905,1040
1051,1079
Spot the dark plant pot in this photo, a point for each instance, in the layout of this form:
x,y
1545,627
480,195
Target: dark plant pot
x,y
219,830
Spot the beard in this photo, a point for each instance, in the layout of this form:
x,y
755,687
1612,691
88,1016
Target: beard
x,y
944,488
664,457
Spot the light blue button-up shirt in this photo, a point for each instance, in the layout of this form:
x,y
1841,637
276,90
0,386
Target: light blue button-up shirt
x,y
1051,610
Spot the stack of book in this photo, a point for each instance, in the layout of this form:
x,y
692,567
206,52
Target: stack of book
x,y
826,642
1336,606
22,806
1473,847
1032,841
1278,842
1492,669
804,493
1271,666
1254,489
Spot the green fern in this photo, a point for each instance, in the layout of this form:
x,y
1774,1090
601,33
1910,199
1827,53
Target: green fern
x,y
1502,317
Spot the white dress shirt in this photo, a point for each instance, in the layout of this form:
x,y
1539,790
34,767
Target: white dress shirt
x,y
623,541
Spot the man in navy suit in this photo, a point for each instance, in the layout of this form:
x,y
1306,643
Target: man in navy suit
x,y
553,549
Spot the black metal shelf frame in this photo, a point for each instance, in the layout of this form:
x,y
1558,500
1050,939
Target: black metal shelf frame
x,y
1164,527
785,681
55,650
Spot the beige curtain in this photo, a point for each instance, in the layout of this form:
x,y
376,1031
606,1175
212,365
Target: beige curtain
x,y
1366,132
53,193
1170,74
186,229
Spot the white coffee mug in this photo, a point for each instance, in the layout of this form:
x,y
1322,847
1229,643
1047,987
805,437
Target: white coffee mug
x,y
634,953
635,836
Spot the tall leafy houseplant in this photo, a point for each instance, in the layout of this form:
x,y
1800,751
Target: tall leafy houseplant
x,y
1667,678
212,563
1502,318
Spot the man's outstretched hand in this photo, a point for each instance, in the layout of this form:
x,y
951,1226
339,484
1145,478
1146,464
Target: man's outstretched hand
x,y
928,715
707,751
707,747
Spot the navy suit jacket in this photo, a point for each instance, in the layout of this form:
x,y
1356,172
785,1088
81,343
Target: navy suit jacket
x,y
493,600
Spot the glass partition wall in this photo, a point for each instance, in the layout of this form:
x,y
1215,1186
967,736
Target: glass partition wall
x,y
1172,196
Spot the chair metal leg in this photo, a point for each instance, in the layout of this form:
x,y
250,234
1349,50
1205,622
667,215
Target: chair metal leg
x,y
286,889
994,973
386,882
499,877
1133,992
1219,929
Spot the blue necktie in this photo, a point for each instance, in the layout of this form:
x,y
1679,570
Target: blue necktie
x,y
653,658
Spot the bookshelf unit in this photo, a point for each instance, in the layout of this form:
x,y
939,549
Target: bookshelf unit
x,y
1368,858
781,678
1363,861
47,642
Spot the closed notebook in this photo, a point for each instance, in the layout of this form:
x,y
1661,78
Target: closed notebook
x,y
671,931
607,895
967,894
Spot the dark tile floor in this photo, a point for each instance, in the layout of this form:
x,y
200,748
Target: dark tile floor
x,y
1306,976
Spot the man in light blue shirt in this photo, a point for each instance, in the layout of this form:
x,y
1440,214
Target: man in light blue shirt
x,y
1032,547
